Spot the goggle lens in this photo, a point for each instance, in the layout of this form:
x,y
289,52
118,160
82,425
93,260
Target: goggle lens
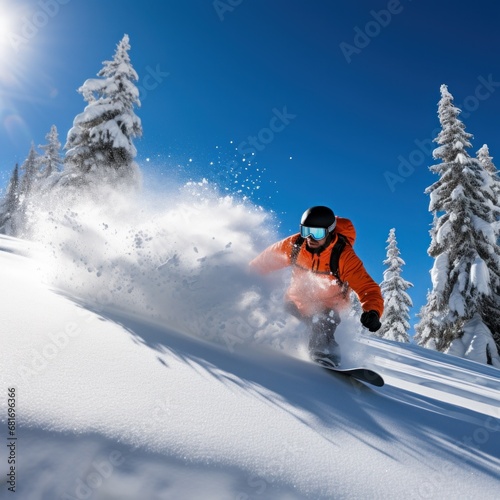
x,y
318,233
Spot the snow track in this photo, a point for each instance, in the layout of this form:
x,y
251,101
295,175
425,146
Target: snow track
x,y
436,375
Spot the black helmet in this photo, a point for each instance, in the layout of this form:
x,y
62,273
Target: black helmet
x,y
319,217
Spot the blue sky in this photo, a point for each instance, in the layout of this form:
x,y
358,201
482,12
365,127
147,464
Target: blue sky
x,y
338,100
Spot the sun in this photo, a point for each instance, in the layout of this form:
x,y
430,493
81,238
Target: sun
x,y
12,45
6,25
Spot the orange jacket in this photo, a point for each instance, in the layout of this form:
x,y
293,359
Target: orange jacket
x,y
313,288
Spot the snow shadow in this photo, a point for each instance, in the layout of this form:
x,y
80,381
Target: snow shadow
x,y
71,466
331,405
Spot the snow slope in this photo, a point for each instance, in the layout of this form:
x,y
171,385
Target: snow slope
x,y
113,405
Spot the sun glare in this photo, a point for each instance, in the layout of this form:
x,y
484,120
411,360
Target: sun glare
x,y
12,53
6,48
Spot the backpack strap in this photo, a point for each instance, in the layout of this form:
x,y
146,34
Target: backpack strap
x,y
334,256
297,245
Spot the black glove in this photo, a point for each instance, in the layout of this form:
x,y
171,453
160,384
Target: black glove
x,y
370,320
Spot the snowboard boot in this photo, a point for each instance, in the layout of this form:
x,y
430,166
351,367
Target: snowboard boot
x,y
322,344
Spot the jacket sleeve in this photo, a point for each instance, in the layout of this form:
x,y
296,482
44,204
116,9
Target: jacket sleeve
x,y
352,271
274,257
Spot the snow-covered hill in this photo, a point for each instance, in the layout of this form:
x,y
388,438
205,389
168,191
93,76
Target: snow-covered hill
x,y
147,363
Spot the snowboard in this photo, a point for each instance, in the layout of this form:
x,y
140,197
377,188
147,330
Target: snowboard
x,y
359,373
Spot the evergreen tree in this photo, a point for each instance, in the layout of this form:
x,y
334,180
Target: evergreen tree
x,y
354,313
483,155
99,146
432,314
30,167
395,320
466,270
10,205
27,189
493,303
51,161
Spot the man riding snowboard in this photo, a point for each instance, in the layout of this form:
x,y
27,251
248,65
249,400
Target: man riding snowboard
x,y
325,268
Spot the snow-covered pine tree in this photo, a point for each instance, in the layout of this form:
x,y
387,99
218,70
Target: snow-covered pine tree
x,y
99,145
395,320
30,167
466,269
50,161
432,315
483,155
354,314
10,205
28,188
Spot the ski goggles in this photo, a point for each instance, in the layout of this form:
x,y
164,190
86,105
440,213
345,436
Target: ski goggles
x,y
317,233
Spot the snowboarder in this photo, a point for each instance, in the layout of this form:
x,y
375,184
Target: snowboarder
x,y
325,268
